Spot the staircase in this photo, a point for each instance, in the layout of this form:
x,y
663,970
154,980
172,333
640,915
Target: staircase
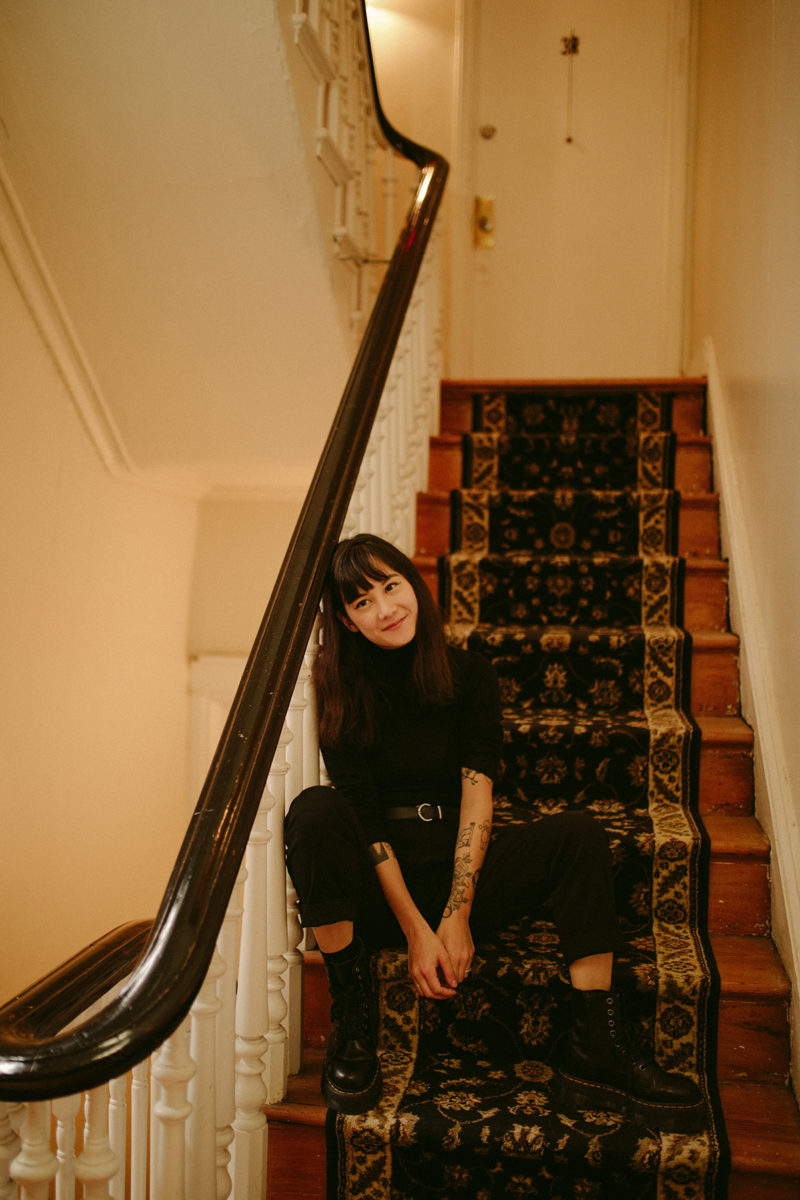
x,y
753,1043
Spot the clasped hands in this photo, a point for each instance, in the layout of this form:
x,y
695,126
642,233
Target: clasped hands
x,y
438,962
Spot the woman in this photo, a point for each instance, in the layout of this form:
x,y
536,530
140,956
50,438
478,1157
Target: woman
x,y
401,849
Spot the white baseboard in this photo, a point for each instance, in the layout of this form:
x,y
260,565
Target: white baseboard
x,y
776,805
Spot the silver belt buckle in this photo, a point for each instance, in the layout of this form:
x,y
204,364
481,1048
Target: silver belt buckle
x,y
435,807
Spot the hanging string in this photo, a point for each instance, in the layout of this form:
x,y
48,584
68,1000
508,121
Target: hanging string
x,y
569,48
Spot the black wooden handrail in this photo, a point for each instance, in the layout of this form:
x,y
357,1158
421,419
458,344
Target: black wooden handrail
x,y
36,1062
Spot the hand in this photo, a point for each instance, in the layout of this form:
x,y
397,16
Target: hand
x,y
430,966
456,937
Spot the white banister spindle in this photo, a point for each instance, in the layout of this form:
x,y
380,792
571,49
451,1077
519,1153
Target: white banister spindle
x,y
65,1111
201,1124
296,756
252,1020
118,1132
9,1148
35,1166
225,1028
172,1069
390,195
97,1163
277,1052
310,738
140,1091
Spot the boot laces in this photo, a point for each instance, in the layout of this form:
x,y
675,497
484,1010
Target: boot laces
x,y
350,1011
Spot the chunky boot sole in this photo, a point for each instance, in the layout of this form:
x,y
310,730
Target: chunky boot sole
x,y
671,1118
353,1103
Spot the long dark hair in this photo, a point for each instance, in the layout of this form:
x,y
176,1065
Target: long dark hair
x,y
345,696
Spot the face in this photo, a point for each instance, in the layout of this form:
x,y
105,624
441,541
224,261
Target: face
x,y
386,614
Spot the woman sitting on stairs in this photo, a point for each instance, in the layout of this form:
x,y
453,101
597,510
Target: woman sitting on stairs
x,y
400,850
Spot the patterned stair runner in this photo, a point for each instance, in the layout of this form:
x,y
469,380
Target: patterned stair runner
x,y
563,573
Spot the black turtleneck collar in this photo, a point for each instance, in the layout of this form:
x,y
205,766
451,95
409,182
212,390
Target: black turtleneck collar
x,y
392,666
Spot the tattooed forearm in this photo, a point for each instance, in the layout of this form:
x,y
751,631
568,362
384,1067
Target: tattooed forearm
x,y
466,833
470,776
380,852
465,836
465,880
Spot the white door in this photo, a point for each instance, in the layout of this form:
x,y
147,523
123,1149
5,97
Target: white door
x,y
585,155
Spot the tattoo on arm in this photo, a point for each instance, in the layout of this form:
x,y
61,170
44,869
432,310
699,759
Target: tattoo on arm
x,y
485,830
469,775
464,878
465,836
380,852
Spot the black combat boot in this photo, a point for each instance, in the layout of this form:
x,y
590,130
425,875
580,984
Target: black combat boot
x,y
351,1073
600,1068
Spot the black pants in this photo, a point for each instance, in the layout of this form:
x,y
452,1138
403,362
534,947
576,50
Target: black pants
x,y
561,860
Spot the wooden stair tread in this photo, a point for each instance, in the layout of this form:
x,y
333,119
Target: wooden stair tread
x,y
737,836
725,730
749,967
763,1128
694,385
303,1103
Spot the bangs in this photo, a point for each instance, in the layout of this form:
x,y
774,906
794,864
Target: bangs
x,y
359,565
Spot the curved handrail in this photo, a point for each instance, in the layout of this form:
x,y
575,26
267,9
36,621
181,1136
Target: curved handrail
x,y
167,975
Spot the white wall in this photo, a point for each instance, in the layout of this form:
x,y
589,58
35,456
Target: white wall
x,y
93,601
746,326
241,543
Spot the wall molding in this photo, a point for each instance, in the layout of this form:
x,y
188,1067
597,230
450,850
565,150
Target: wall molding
x,y
774,792
49,314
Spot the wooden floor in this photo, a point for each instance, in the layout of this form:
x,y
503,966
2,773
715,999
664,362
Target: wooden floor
x,y
753,1041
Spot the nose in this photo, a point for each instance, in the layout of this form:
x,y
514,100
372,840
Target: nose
x,y
385,606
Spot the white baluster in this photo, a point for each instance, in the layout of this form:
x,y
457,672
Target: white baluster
x,y
97,1163
310,736
390,194
277,1053
35,1166
227,945
140,1089
252,1020
9,1148
118,1132
294,932
172,1070
66,1110
201,1124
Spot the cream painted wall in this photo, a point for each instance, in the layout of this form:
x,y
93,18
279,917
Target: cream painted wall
x,y
93,603
747,312
241,542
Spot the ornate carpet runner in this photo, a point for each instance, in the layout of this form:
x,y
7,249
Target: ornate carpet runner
x,y
563,573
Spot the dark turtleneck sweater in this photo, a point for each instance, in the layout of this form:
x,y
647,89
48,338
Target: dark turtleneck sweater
x,y
419,751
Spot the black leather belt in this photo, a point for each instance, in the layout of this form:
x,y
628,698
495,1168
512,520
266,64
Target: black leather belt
x,y
423,812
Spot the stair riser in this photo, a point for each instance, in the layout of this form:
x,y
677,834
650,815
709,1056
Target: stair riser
x,y
296,1162
446,471
705,597
296,1169
753,1034
744,1186
753,1041
698,527
738,901
715,680
726,779
688,407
